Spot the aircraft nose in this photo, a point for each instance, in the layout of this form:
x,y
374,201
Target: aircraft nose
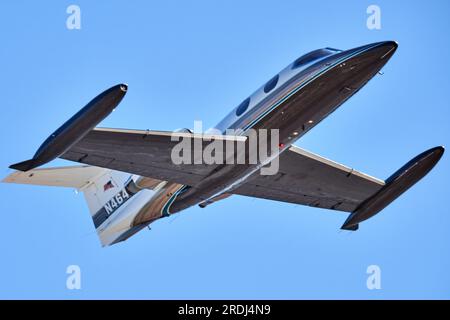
x,y
385,48
391,46
392,43
389,43
123,87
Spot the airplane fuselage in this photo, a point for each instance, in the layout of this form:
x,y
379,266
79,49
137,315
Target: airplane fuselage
x,y
294,101
131,178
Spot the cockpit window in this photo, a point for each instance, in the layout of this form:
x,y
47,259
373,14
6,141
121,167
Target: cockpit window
x,y
242,107
333,49
312,56
271,84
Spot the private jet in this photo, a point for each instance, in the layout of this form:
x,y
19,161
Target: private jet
x,y
129,180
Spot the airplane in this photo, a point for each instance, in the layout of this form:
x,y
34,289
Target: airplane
x,y
129,180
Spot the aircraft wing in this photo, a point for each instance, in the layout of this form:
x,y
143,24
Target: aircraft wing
x,y
303,177
143,152
308,179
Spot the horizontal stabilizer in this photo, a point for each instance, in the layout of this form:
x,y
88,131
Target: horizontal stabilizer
x,y
73,176
399,182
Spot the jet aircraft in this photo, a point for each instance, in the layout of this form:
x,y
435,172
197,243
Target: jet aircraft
x,y
129,178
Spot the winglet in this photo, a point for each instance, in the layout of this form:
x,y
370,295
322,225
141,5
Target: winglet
x,y
24,165
396,184
353,227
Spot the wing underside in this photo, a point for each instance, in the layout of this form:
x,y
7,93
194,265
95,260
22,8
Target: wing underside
x,y
308,179
303,177
144,152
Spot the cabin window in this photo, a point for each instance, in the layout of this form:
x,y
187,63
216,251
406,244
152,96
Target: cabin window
x,y
310,57
271,84
242,107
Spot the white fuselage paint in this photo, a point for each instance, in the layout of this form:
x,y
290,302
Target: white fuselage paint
x,y
121,220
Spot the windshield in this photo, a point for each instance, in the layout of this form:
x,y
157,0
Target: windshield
x,y
313,56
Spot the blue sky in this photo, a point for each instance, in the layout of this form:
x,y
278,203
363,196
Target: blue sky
x,y
195,60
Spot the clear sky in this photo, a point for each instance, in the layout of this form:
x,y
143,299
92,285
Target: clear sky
x,y
195,60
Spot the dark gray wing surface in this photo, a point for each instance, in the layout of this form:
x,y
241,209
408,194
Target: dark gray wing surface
x,y
308,179
143,152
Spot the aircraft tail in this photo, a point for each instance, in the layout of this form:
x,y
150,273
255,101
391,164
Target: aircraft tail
x,y
100,186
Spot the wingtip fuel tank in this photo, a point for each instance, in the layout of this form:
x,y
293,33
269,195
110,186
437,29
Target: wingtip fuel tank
x,y
74,129
396,184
